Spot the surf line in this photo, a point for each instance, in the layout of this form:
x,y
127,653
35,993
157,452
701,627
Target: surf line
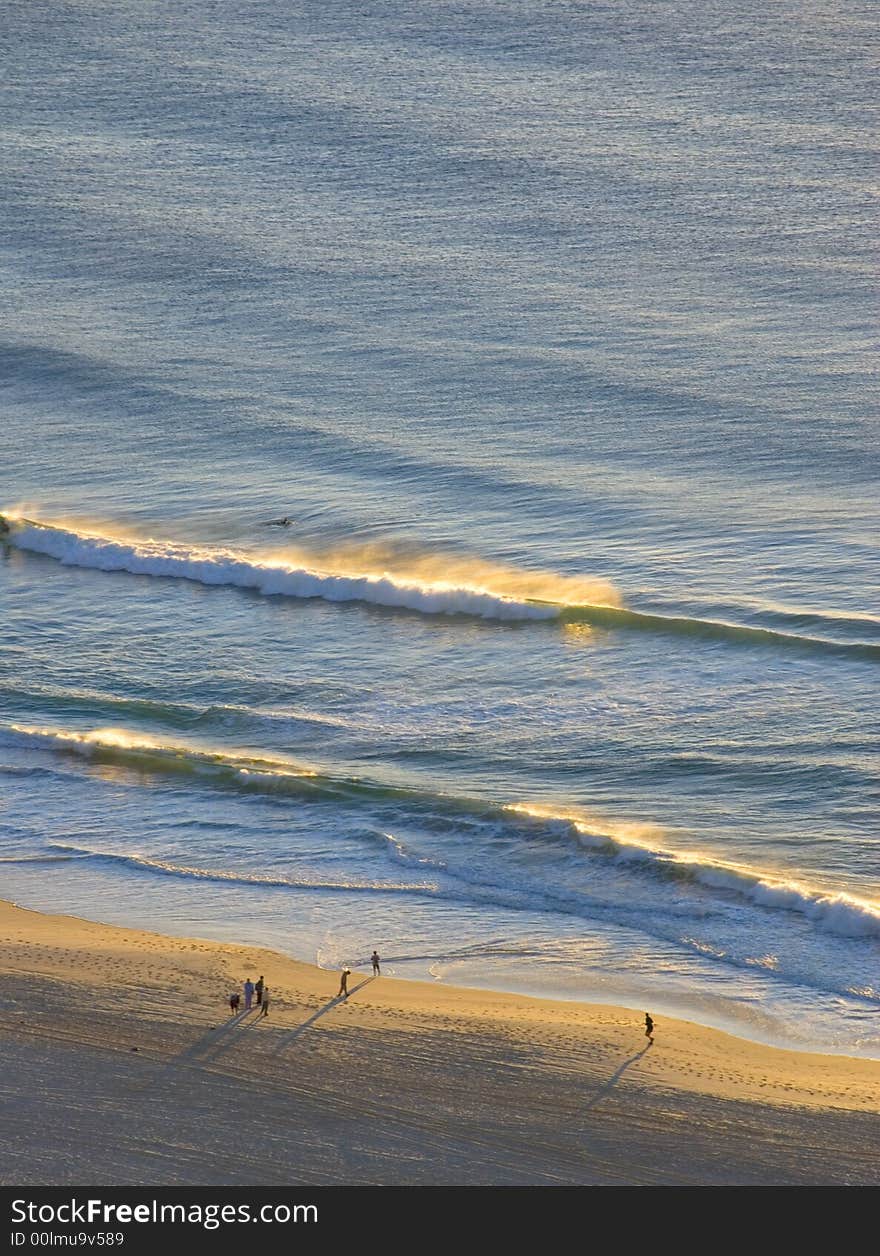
x,y
277,578
271,578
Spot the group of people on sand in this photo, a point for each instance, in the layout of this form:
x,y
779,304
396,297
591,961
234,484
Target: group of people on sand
x,y
256,993
259,991
253,991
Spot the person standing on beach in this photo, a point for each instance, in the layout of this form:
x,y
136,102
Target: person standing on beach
x,y
248,994
375,962
234,1000
259,991
343,982
265,1001
649,1029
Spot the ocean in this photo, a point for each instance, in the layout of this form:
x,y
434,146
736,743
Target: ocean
x,y
440,474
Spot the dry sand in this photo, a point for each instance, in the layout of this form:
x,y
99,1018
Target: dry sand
x,y
405,1083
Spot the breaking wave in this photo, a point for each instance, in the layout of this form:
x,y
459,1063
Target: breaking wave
x,y
273,577
434,584
638,848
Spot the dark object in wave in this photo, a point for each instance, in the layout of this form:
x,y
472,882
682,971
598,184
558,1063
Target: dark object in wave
x,y
284,522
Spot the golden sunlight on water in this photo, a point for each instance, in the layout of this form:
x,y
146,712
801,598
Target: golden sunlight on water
x,y
373,561
438,571
646,836
119,739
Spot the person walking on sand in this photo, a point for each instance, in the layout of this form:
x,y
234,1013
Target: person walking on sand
x,y
649,1029
265,1002
234,1000
248,994
374,958
258,990
343,982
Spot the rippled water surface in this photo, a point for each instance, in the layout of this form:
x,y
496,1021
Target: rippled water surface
x,y
548,332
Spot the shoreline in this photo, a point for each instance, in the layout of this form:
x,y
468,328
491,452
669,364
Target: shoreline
x,y
667,1005
124,1067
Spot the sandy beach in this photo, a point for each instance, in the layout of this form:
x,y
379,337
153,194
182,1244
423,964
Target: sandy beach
x,y
122,1066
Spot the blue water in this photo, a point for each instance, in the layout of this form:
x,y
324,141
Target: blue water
x,y
550,328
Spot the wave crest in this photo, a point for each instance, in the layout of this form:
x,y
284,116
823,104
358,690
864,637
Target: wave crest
x,y
392,576
165,868
439,587
842,914
637,845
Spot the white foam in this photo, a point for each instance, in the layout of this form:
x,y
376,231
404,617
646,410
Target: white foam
x,y
237,878
834,913
275,578
841,914
837,913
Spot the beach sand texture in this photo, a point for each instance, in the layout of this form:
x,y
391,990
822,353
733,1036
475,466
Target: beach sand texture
x,y
122,1066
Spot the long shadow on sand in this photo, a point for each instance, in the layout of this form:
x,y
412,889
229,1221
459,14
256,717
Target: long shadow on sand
x,y
615,1078
322,1011
209,1046
218,1040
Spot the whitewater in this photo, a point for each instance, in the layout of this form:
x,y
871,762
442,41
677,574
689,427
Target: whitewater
x,y
624,843
549,331
554,596
269,577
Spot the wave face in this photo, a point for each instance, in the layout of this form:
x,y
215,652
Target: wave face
x,y
715,630
387,575
272,578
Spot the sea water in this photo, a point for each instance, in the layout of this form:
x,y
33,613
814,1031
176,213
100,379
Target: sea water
x,y
548,328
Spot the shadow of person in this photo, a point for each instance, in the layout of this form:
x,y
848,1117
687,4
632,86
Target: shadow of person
x,y
612,1081
322,1011
360,985
207,1048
